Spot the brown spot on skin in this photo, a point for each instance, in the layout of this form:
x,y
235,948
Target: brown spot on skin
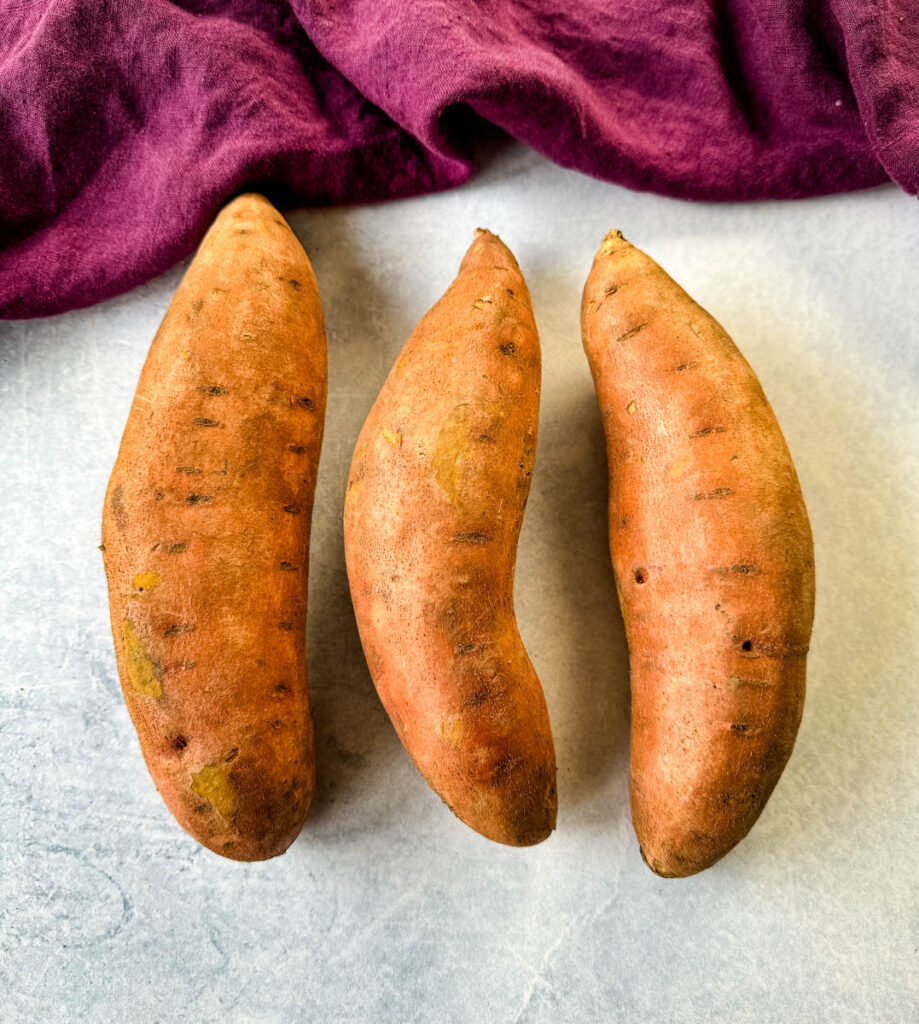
x,y
471,537
293,510
175,549
197,305
214,785
199,499
745,570
289,567
283,689
203,421
630,333
297,449
305,402
118,509
211,389
158,495
233,754
641,576
510,291
294,284
685,366
487,439
508,348
180,743
187,469
176,629
143,674
705,431
718,492
288,626
466,648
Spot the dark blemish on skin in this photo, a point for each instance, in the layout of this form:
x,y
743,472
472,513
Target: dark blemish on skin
x,y
118,510
481,695
718,492
232,755
747,645
179,743
197,305
187,666
487,438
630,333
739,727
201,808
295,285
471,537
466,648
175,549
297,449
289,567
685,366
276,724
187,469
508,348
613,288
203,421
243,231
641,576
745,570
305,403
623,523
158,495
211,389
282,688
510,291
705,431
286,626
294,510
734,458
199,499
505,766
175,629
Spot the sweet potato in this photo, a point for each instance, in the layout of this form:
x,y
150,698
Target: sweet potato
x,y
435,501
713,560
205,537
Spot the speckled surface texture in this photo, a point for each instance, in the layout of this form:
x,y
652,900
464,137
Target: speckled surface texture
x,y
387,908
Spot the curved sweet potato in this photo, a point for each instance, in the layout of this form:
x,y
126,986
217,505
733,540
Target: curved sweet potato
x,y
435,501
713,559
206,537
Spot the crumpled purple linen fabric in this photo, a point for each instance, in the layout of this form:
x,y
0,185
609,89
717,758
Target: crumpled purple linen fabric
x,y
126,124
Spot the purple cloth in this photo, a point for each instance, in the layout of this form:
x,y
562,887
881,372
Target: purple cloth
x,y
126,124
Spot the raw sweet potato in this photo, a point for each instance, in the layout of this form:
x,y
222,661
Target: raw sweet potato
x,y
713,560
206,537
434,506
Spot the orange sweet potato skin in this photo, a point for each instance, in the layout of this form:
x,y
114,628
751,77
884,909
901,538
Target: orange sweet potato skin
x,y
205,537
713,559
435,501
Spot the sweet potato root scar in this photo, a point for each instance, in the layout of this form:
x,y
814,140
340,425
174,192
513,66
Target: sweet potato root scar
x,y
142,673
214,785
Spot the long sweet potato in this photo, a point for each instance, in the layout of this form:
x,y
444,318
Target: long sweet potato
x,y
713,560
434,506
206,537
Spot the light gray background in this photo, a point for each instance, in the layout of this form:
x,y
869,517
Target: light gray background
x,y
387,908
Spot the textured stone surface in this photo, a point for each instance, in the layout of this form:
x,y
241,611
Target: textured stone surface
x,y
387,908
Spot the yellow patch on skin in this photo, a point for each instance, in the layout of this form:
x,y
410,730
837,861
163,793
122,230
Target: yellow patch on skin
x,y
144,582
447,459
142,673
393,438
450,730
213,784
679,465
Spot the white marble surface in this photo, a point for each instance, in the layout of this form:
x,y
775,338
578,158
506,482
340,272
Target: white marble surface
x,y
387,908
